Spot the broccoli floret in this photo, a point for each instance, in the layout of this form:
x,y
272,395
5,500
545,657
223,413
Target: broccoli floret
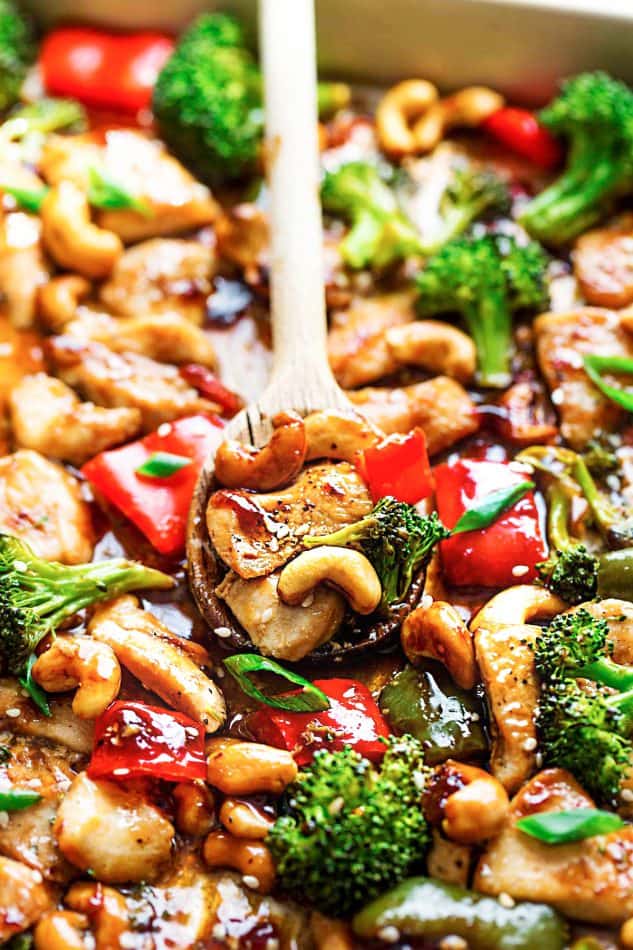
x,y
37,595
208,100
595,114
349,832
17,51
470,193
600,460
380,233
395,538
485,279
571,570
576,644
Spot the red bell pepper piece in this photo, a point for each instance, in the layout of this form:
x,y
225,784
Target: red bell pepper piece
x,y
101,69
353,719
157,506
398,466
521,131
508,550
134,739
210,386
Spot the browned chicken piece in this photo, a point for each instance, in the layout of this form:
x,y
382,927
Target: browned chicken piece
x,y
286,633
113,830
23,898
175,200
254,534
62,727
160,660
48,416
20,355
243,238
41,503
28,834
603,263
126,380
590,880
357,345
166,337
23,266
440,406
562,339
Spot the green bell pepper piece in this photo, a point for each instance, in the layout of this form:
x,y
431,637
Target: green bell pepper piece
x,y
615,574
429,909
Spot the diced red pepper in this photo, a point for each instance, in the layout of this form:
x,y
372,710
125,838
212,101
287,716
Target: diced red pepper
x,y
210,386
134,739
520,131
101,69
398,466
159,507
353,719
503,554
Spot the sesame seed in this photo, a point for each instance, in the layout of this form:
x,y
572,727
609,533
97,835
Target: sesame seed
x,y
336,805
164,429
389,934
426,601
120,772
267,614
223,632
19,565
13,712
283,531
308,600
519,570
627,795
273,544
251,881
505,900
218,932
558,397
453,943
530,744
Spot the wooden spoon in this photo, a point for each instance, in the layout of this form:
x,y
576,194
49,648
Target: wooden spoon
x,y
301,378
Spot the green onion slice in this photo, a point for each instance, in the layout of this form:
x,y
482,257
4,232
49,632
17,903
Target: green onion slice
x,y
310,699
162,465
28,198
36,693
562,827
483,513
15,799
105,192
596,365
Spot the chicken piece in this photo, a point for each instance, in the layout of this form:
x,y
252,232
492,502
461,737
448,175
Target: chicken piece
x,y
20,355
357,346
47,416
589,880
603,263
254,533
440,406
28,834
277,630
126,380
240,910
114,831
23,267
561,341
449,861
23,898
61,727
159,659
166,337
161,276
142,166
42,504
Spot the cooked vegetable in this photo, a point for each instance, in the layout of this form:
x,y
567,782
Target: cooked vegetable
x,y
37,595
209,386
347,832
106,70
104,192
33,689
485,279
571,570
380,233
425,908
576,644
308,699
597,365
352,720
29,199
485,512
395,539
17,51
561,827
521,131
16,799
162,465
28,124
447,720
208,100
133,740
594,114
398,466
470,194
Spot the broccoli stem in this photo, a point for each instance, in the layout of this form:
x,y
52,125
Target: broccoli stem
x,y
360,245
490,324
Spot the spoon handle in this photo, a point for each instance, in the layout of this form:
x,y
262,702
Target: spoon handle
x,y
288,51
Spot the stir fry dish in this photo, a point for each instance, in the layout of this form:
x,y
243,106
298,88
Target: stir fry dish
x,y
403,715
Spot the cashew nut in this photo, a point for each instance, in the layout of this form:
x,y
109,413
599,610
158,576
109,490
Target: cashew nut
x,y
343,568
59,299
246,768
61,930
82,662
272,466
518,605
435,346
243,819
195,808
70,236
332,434
439,632
469,107
251,858
105,908
475,811
397,113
